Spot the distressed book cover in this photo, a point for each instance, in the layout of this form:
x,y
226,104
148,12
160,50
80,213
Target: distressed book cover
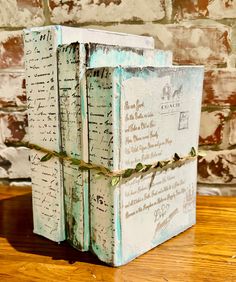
x,y
44,130
142,115
72,62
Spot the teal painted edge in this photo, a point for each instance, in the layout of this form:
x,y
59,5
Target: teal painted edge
x,y
117,194
58,30
83,85
118,249
86,214
83,97
116,100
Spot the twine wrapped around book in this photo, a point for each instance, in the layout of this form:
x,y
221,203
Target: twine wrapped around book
x,y
115,176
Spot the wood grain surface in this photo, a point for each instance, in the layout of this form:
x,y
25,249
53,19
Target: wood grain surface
x,y
206,252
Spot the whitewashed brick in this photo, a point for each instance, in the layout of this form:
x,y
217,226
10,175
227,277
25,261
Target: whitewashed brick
x,y
14,163
217,167
103,11
21,13
220,87
213,9
12,89
212,126
232,129
191,42
216,190
13,127
11,49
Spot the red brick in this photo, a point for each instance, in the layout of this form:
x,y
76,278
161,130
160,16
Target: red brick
x,y
13,127
189,9
220,87
212,126
21,13
14,163
104,11
12,51
213,9
30,3
12,90
217,167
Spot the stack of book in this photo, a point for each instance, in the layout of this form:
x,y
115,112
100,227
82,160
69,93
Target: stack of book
x,y
120,126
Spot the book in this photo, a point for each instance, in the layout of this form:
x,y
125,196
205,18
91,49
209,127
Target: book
x,y
149,115
42,98
72,62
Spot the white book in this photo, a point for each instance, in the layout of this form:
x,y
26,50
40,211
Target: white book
x,y
72,62
42,94
148,115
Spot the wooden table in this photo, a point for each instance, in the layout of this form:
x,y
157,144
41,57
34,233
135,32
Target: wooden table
x,y
206,252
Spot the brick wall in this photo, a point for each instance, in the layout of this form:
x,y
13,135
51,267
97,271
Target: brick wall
x,y
197,31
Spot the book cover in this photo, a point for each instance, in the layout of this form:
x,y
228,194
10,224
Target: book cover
x,y
137,117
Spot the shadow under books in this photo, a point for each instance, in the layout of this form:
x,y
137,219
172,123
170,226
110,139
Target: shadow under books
x,y
16,225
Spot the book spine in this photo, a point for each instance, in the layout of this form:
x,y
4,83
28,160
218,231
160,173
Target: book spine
x,y
103,118
42,99
70,65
